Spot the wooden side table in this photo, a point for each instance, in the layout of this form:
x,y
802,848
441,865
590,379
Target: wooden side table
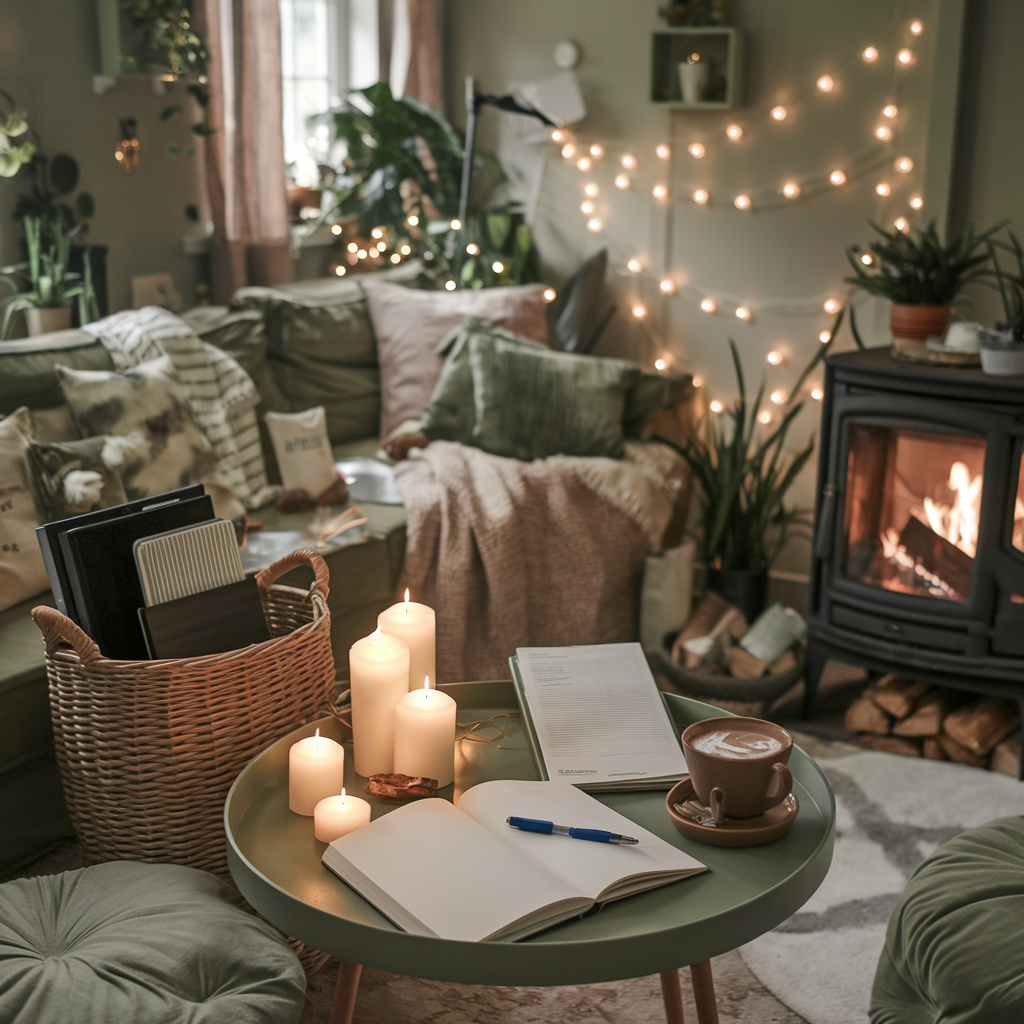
x,y
275,861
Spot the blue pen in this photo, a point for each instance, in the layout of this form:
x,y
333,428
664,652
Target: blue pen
x,y
549,828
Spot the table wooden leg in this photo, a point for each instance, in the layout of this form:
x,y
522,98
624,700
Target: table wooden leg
x,y
345,990
673,997
704,993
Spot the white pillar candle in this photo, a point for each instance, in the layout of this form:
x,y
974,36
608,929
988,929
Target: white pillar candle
x,y
413,624
316,768
379,665
425,735
336,816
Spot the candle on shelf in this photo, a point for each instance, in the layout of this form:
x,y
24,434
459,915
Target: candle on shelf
x,y
413,624
336,816
316,768
425,735
379,666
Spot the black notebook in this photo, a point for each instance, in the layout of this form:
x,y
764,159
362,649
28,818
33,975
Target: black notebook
x,y
48,536
210,622
100,566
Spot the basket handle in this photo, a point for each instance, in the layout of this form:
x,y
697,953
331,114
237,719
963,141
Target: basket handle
x,y
301,556
57,628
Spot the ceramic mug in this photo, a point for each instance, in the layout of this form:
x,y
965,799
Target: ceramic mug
x,y
738,765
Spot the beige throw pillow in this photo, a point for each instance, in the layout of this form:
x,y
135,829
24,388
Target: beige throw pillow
x,y
410,324
22,574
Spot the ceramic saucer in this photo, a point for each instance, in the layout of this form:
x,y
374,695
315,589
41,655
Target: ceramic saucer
x,y
733,832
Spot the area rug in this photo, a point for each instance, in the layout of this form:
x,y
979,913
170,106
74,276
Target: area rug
x,y
892,812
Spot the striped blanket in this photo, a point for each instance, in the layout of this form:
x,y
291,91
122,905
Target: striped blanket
x,y
222,395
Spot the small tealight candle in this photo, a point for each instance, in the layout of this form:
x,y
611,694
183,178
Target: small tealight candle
x,y
413,624
379,666
425,735
336,816
316,768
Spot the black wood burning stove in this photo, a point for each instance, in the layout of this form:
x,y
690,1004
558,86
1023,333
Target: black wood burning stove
x,y
919,527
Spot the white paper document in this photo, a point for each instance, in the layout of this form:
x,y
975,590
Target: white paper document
x,y
598,716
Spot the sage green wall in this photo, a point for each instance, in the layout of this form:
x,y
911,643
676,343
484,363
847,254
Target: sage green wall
x,y
49,51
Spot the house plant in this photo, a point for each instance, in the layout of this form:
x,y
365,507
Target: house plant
x,y
47,305
1002,354
13,154
921,276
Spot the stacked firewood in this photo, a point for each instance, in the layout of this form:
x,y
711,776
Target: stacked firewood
x,y
910,717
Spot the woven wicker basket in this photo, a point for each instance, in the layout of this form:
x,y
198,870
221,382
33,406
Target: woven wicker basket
x,y
148,749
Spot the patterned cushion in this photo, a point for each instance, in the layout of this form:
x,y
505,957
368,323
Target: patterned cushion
x,y
74,477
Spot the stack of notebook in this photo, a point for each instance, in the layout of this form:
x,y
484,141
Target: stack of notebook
x,y
160,577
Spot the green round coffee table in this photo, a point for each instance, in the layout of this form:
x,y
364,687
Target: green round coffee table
x,y
275,861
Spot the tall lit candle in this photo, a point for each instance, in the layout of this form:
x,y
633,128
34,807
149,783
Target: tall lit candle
x,y
316,768
379,666
425,735
336,816
413,624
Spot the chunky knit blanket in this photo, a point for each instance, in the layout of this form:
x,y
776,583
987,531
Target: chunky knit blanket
x,y
545,553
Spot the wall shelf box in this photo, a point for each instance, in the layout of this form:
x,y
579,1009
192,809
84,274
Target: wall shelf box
x,y
123,51
699,68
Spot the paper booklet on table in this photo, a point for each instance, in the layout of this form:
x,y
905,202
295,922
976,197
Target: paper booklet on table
x,y
462,873
595,717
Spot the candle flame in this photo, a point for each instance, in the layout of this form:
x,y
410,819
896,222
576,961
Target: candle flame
x,y
376,634
317,738
426,685
342,796
407,602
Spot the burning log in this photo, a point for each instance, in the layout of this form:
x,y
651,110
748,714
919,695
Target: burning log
x,y
898,695
939,556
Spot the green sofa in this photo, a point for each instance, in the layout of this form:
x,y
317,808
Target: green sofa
x,y
307,344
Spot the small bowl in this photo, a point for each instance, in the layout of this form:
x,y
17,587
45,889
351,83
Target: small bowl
x,y
1002,357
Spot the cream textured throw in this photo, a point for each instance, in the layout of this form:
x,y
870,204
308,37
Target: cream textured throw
x,y
546,553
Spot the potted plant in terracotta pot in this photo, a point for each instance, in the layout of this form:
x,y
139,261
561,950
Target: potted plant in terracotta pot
x,y
922,278
47,304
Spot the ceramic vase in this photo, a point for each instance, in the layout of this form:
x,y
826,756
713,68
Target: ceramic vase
x,y
43,321
913,325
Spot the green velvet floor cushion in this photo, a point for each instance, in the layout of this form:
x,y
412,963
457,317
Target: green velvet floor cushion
x,y
954,949
127,943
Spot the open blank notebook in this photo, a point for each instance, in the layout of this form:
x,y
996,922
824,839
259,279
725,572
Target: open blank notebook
x,y
462,873
596,717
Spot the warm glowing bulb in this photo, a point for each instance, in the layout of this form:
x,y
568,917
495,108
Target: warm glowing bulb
x,y
591,189
867,259
904,164
901,224
779,113
663,152
708,305
362,254
700,196
583,163
666,286
557,135
774,358
628,161
734,131
905,57
824,337
412,220
405,250
586,207
596,150
449,286
715,405
698,382
696,150
593,225
764,417
916,202
817,394
622,181
497,266
837,177
890,110
568,151
352,247
831,305
916,27
659,191
395,258
742,313
778,397
456,224
472,248
377,233
335,229
633,266
826,83
660,364
882,188
549,294
870,53
791,190
884,133
339,270
742,201
639,311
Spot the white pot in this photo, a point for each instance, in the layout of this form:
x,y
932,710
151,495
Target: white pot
x,y
43,321
1003,360
693,80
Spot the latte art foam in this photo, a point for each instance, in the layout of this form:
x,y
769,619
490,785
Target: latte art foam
x,y
737,745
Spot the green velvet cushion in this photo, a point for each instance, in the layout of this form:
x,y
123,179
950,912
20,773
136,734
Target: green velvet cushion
x,y
322,354
954,948
531,402
128,942
27,375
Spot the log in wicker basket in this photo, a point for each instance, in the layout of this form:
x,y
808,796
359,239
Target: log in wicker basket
x,y
148,749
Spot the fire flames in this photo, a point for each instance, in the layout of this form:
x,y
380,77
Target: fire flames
x,y
958,523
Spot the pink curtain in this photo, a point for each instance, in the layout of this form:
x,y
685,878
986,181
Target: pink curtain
x,y
245,155
410,34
